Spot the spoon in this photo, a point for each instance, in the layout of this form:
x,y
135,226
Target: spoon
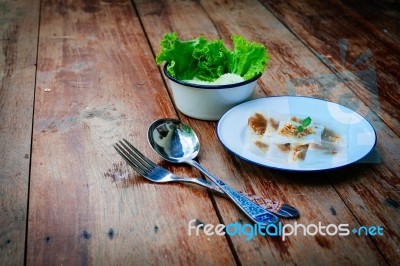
x,y
176,142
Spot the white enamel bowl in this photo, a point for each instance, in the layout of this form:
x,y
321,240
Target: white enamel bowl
x,y
209,102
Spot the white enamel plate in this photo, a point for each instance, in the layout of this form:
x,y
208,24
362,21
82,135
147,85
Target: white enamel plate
x,y
360,135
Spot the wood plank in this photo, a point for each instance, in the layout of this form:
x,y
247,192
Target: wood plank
x,y
97,83
310,20
290,59
18,38
374,200
384,15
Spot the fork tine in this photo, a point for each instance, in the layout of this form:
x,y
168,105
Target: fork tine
x,y
129,160
137,156
140,155
133,156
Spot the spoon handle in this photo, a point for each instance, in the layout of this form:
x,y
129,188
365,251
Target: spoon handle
x,y
280,209
256,213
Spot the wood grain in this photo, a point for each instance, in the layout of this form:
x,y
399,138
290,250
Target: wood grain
x,y
18,38
384,15
290,59
322,24
97,83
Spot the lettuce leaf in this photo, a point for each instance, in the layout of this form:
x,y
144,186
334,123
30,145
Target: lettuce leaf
x,y
247,59
208,60
211,60
179,55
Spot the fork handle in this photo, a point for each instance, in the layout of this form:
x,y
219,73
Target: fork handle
x,y
256,213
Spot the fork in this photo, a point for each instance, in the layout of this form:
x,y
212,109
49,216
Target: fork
x,y
155,173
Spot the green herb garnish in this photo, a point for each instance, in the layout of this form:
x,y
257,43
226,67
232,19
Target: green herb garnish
x,y
305,123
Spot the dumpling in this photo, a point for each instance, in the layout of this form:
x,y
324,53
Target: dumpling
x,y
288,133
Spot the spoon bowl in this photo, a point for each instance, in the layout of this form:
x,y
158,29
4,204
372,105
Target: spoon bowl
x,y
173,140
176,142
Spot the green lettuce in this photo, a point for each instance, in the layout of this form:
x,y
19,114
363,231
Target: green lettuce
x,y
208,60
211,60
247,59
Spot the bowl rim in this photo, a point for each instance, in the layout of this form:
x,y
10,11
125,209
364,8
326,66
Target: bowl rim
x,y
201,86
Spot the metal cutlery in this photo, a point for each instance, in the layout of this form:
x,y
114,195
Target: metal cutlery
x,y
155,173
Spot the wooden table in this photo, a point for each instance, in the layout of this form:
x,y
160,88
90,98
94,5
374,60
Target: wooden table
x,y
77,76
